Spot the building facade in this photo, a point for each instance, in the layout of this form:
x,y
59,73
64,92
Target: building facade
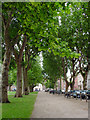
x,y
78,82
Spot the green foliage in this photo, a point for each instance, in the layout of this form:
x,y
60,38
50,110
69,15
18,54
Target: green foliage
x,y
35,73
52,66
49,84
65,37
12,77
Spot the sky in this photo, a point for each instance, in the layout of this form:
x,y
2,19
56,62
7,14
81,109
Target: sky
x,y
41,59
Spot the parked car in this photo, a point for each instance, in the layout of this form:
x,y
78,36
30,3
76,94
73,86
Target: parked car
x,y
63,91
76,93
88,94
36,90
59,92
47,90
69,93
14,89
83,94
52,91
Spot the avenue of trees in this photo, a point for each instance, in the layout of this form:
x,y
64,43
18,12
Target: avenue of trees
x,y
74,30
59,30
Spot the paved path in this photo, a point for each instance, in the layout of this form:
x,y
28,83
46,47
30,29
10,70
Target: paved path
x,y
57,106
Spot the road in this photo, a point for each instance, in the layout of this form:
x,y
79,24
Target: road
x,y
57,106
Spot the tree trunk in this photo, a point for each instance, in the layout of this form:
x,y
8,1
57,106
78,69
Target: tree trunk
x,y
67,85
6,62
85,81
72,85
74,72
19,80
31,88
25,81
84,75
9,87
65,77
19,68
84,84
60,84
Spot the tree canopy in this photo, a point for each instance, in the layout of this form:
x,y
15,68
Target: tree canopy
x,y
59,29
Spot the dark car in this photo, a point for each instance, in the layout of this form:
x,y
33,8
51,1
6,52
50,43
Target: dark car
x,y
63,91
88,94
59,92
52,91
36,90
47,90
69,93
76,93
83,94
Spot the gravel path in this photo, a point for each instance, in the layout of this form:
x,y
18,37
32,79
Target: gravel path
x,y
57,106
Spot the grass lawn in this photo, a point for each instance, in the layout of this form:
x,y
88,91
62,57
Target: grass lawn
x,y
13,92
19,107
0,111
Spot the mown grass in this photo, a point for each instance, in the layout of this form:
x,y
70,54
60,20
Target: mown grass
x,y
0,111
19,107
13,92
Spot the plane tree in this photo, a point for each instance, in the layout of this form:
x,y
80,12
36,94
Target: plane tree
x,y
18,21
9,39
28,56
74,23
39,22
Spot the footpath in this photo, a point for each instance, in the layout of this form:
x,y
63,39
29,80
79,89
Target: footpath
x,y
57,106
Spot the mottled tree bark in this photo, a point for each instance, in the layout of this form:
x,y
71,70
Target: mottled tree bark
x,y
25,70
19,80
67,85
19,68
75,73
84,75
25,82
31,88
9,44
5,69
72,85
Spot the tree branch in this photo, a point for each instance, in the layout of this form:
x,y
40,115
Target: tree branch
x,y
22,48
9,19
16,55
4,21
